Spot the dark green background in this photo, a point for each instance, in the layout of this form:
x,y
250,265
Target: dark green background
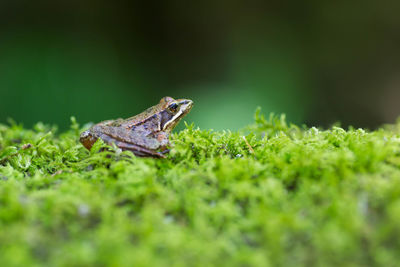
x,y
317,61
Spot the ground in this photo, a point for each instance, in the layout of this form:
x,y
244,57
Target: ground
x,y
272,194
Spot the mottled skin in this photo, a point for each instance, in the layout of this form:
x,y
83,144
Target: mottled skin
x,y
146,134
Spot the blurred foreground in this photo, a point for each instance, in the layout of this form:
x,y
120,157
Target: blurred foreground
x,y
300,197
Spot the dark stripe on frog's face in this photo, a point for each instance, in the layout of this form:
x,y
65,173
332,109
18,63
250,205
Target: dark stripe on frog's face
x,y
165,117
169,115
175,111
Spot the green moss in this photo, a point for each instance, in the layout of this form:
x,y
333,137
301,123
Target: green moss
x,y
282,196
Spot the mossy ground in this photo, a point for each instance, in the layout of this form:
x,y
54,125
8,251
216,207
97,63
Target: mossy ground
x,y
285,196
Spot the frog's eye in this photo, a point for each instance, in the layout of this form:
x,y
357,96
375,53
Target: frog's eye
x,y
173,107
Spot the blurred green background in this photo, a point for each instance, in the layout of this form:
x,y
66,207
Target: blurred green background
x,y
317,61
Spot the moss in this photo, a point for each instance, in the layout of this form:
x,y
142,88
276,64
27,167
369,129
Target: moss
x,y
273,194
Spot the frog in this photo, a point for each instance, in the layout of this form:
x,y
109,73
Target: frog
x,y
146,134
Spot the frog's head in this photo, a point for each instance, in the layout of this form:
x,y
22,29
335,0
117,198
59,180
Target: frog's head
x,y
87,139
173,111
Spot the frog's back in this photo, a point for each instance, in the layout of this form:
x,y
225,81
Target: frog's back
x,y
141,117
138,119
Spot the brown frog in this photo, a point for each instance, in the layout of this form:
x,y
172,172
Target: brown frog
x,y
146,134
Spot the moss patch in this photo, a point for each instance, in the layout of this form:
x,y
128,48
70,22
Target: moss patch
x,y
271,195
